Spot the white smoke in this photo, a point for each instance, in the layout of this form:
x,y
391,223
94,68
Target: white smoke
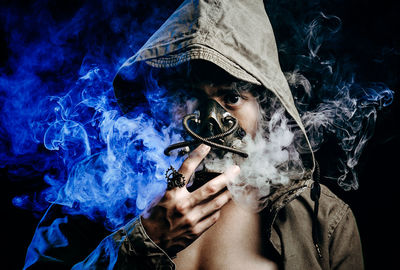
x,y
272,162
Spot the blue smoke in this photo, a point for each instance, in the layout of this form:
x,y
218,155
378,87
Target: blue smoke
x,y
59,117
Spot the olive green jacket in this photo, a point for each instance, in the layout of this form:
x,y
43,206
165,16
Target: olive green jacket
x,y
287,225
73,242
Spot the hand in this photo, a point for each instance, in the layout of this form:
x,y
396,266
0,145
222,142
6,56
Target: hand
x,y
181,217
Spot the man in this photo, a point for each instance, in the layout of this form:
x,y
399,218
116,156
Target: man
x,y
300,226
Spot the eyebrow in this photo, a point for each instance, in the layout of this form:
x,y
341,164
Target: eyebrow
x,y
221,90
224,91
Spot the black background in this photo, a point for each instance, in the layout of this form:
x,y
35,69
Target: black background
x,y
368,27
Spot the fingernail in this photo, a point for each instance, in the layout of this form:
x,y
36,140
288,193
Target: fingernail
x,y
204,148
235,169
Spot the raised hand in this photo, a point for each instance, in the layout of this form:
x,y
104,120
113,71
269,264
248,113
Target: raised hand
x,y
181,217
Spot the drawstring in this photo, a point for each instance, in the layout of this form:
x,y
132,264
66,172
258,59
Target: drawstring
x,y
315,194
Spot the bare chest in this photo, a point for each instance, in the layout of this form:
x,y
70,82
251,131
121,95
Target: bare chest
x,y
234,242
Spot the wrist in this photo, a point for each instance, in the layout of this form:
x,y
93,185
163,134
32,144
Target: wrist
x,y
151,229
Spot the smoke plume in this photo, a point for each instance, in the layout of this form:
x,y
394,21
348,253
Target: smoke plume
x,y
60,122
273,161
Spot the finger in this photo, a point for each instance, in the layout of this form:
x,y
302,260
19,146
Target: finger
x,y
205,224
213,186
203,210
195,157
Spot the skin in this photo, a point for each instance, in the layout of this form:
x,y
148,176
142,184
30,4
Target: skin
x,y
241,105
181,217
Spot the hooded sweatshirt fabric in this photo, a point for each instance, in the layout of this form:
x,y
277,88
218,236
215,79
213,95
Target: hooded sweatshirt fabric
x,y
237,37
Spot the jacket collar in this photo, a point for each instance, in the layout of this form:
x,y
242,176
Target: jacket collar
x,y
276,201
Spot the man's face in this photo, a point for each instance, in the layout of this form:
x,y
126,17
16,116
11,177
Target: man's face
x,y
240,104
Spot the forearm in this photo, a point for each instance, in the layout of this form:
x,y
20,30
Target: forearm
x,y
127,248
65,242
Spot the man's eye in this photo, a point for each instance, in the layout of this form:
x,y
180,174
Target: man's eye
x,y
232,98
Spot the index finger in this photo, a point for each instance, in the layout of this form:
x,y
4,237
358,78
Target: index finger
x,y
192,162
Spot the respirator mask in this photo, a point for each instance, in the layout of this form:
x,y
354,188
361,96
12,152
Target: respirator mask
x,y
214,126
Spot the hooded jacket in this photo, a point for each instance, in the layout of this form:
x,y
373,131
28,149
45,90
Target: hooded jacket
x,y
237,37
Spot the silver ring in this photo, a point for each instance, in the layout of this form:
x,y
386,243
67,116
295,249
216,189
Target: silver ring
x,y
174,178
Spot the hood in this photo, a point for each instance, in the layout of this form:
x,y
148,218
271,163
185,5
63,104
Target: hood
x,y
237,36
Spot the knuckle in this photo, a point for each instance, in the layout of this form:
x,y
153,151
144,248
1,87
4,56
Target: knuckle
x,y
211,188
187,166
192,166
168,196
218,203
203,193
203,212
181,207
190,221
196,230
215,217
191,201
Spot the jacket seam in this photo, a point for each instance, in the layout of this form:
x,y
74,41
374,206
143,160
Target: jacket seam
x,y
202,53
337,219
292,195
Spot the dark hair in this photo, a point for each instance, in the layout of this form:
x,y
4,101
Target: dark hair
x,y
191,75
188,76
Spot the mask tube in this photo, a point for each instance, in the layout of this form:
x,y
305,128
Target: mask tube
x,y
217,128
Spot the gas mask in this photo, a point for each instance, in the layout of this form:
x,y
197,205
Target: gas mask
x,y
215,127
